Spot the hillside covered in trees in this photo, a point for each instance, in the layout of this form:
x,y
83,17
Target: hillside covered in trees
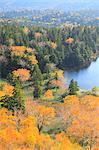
x,y
38,111
67,47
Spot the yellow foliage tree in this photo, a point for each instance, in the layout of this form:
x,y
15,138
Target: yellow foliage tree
x,y
18,50
38,35
33,59
81,115
27,137
65,143
49,94
69,40
53,45
60,74
7,90
22,74
42,113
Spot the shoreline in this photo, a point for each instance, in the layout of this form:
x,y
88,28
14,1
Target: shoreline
x,y
83,66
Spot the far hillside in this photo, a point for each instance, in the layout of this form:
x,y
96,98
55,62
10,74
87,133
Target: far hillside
x,y
51,17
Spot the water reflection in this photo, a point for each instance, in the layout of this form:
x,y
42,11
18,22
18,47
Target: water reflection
x,y
87,78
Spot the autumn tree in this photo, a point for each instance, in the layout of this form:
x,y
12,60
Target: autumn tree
x,y
17,78
65,143
49,94
7,95
80,119
69,40
42,113
57,84
11,138
53,45
32,59
27,136
38,35
21,74
18,50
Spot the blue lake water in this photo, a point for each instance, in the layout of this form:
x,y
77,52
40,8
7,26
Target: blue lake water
x,y
87,78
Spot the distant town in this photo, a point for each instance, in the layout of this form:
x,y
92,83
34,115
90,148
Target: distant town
x,y
51,18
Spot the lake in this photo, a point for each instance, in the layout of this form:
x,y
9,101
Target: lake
x,y
87,78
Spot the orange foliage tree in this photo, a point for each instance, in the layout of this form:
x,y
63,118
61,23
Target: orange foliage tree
x,y
8,89
42,113
11,97
32,59
53,45
38,35
49,94
24,54
22,74
6,94
18,50
57,83
81,115
69,40
59,74
65,143
27,136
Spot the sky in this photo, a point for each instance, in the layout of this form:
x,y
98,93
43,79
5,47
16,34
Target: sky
x,y
44,4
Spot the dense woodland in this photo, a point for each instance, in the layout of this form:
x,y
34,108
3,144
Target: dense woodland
x,y
73,47
37,109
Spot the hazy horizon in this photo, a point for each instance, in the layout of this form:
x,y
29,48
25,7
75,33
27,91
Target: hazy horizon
x,y
48,4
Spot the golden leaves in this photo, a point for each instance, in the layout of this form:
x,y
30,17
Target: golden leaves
x,y
28,122
7,90
60,74
38,35
18,50
65,143
45,142
24,52
71,100
53,45
2,94
69,40
22,74
42,113
49,94
33,59
57,83
28,136
82,115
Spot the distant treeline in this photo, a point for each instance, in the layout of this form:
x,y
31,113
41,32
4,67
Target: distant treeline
x,y
52,18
